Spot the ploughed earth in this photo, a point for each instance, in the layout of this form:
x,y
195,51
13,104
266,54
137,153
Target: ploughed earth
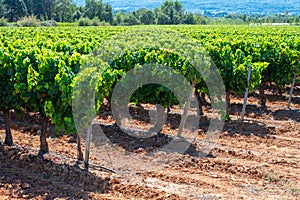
x,y
255,159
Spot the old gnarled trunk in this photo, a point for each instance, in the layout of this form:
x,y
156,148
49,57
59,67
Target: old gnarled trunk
x,y
227,100
43,137
8,135
200,103
79,150
262,96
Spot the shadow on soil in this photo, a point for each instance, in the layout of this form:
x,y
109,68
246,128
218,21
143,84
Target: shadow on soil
x,y
141,114
131,143
257,111
287,115
32,177
280,98
248,128
135,144
251,110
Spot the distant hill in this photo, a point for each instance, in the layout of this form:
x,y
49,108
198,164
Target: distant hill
x,y
214,7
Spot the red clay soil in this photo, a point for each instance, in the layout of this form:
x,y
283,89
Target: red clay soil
x,y
255,159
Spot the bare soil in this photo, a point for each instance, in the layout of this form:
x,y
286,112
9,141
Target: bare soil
x,y
255,159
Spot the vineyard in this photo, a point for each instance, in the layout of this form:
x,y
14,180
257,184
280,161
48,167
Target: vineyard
x,y
41,68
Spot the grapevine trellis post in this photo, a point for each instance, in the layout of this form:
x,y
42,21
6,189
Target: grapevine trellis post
x,y
292,89
246,93
186,109
87,148
88,140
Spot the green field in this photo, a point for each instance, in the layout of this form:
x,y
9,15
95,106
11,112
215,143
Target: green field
x,y
38,65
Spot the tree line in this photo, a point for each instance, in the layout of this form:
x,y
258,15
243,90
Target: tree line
x,y
170,12
58,10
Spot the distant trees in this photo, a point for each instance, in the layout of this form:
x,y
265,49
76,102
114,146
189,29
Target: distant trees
x,y
297,19
144,16
173,10
130,19
162,18
2,8
108,14
95,8
64,11
77,15
42,9
279,18
119,18
189,19
170,12
15,9
58,10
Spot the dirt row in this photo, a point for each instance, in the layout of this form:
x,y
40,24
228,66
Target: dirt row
x,y
255,159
